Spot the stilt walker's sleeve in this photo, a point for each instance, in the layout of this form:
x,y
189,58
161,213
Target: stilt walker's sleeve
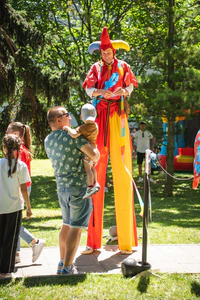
x,y
91,78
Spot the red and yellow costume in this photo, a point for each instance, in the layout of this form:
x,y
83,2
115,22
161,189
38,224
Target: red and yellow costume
x,y
196,180
102,76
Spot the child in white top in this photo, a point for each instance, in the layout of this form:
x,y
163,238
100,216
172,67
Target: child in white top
x,y
23,131
13,178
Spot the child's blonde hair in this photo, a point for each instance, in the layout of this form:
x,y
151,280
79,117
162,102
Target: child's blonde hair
x,y
11,142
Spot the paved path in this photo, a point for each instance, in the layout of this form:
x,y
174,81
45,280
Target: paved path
x,y
162,258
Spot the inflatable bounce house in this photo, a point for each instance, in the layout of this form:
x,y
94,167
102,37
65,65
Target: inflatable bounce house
x,y
186,131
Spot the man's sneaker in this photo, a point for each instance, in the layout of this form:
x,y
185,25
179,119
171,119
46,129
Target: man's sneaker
x,y
72,271
17,258
140,179
151,180
88,250
37,249
91,191
60,267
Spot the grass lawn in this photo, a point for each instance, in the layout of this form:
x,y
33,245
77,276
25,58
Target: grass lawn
x,y
174,221
103,287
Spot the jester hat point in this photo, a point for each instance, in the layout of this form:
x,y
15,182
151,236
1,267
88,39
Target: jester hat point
x,y
106,43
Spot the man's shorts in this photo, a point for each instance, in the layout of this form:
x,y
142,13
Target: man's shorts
x,y
75,211
140,158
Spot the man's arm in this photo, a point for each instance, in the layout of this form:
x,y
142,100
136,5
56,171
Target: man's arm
x,y
92,153
72,132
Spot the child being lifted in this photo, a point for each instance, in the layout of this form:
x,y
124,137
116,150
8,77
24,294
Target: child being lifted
x,y
90,131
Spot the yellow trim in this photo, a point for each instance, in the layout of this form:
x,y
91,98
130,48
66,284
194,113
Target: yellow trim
x,y
164,119
185,159
119,44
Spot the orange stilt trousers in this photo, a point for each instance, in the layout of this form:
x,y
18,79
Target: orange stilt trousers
x,y
123,188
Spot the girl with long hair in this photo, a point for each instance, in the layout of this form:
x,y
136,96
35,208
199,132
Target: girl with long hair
x,y
13,178
24,133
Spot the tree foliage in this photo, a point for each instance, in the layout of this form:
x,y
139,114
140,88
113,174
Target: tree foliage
x,y
44,57
167,42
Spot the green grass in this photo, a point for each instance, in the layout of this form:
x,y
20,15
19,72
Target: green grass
x,y
103,287
174,221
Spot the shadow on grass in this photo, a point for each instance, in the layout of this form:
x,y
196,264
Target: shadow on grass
x,y
182,210
54,280
51,280
143,284
43,192
195,288
36,223
182,213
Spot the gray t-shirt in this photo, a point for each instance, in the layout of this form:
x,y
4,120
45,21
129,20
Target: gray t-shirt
x,y
66,158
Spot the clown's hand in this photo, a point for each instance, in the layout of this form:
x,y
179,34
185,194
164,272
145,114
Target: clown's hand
x,y
120,92
106,94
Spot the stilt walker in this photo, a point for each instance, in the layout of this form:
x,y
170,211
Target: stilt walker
x,y
109,82
196,179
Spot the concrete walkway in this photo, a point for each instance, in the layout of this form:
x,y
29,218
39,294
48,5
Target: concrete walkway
x,y
162,258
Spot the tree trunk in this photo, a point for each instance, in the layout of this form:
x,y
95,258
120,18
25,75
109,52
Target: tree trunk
x,y
170,159
171,85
